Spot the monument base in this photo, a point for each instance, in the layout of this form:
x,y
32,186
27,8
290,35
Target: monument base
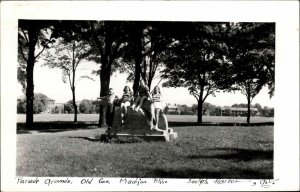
x,y
137,124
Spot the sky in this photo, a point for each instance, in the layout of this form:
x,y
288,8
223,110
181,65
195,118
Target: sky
x,y
49,82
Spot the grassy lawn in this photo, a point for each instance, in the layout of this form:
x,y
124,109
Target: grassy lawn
x,y
198,152
172,118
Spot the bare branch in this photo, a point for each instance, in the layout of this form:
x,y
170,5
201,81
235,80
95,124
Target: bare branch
x,y
146,44
70,82
207,93
40,52
77,63
196,96
159,82
44,46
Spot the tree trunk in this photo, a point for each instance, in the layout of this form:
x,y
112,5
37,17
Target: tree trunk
x,y
32,36
137,76
74,104
200,104
73,85
137,59
29,93
104,70
104,82
149,83
248,106
102,113
151,72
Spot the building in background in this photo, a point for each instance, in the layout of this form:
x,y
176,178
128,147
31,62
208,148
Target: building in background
x,y
172,110
235,111
50,106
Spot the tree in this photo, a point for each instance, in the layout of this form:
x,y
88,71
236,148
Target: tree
x,y
242,105
144,50
268,112
207,109
227,112
96,107
253,61
132,56
259,108
86,106
33,35
196,61
21,105
107,38
21,74
68,107
195,108
40,104
216,111
66,55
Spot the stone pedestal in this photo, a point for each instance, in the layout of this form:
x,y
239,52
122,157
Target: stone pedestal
x,y
137,124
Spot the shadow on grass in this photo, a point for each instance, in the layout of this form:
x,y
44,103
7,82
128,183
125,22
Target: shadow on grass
x,y
223,174
60,126
53,127
235,154
228,154
183,124
86,138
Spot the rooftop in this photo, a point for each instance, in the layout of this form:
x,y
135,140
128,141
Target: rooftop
x,y
239,108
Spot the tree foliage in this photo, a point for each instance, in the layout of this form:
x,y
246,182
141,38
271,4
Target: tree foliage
x,y
40,104
68,107
252,51
70,50
196,61
86,106
208,109
34,36
67,56
268,112
242,105
107,37
143,52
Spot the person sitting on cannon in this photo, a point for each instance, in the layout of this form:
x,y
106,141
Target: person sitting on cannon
x,y
143,95
125,102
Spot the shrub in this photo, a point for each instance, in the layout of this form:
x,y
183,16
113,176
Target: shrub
x,y
21,106
68,108
40,103
187,113
85,106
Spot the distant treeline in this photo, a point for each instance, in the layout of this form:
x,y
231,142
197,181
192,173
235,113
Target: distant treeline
x,y
42,104
213,110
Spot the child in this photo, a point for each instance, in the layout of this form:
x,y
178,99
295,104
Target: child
x,y
125,102
109,107
156,98
143,93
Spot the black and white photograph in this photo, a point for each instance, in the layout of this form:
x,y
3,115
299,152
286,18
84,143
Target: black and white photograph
x,y
125,105
148,101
